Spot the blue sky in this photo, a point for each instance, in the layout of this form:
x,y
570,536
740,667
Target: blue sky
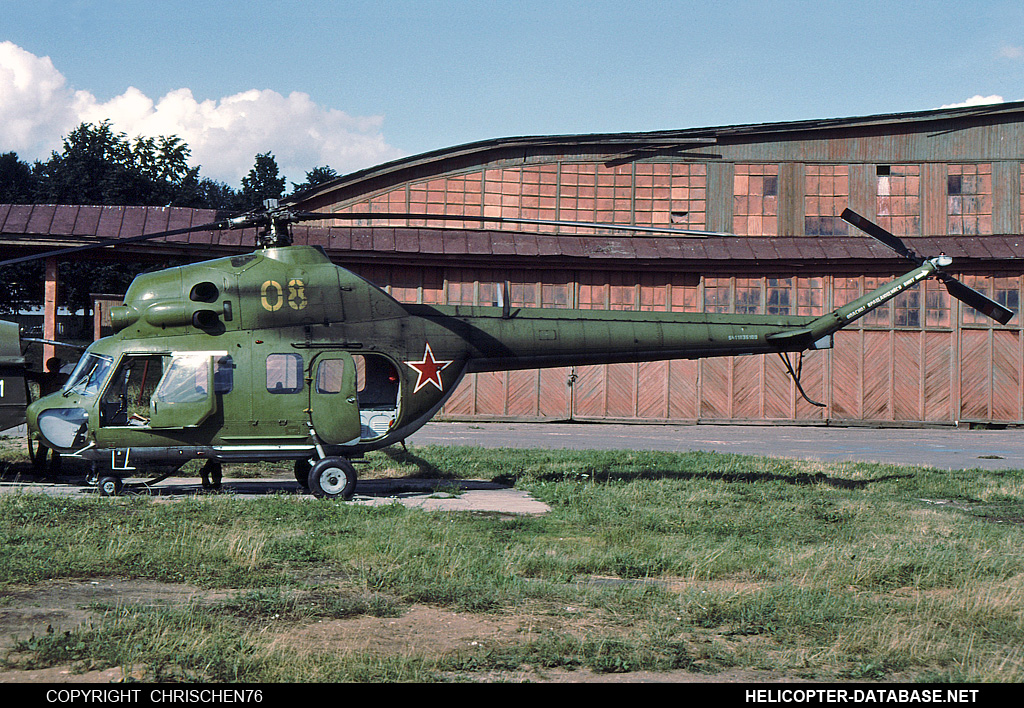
x,y
354,83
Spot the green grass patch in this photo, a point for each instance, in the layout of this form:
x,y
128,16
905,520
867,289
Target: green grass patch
x,y
647,561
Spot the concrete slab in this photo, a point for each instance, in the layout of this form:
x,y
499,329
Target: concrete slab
x,y
431,495
944,448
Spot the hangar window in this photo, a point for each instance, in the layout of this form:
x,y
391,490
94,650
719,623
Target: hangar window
x,y
1004,290
846,290
907,308
671,193
810,296
748,296
898,198
969,199
756,200
779,296
936,305
717,295
826,194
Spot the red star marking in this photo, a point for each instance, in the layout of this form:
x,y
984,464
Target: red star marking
x,y
428,370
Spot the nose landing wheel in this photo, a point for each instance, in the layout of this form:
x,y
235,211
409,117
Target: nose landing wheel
x,y
109,485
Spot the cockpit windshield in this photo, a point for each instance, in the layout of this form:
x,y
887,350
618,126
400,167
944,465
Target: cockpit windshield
x,y
88,375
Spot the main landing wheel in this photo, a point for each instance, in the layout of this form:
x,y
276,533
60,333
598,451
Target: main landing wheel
x,y
109,485
331,478
302,473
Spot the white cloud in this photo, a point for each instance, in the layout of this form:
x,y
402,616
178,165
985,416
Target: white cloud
x,y
36,106
976,100
1011,52
37,109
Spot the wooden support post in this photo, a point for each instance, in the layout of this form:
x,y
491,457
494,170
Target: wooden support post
x,y
50,310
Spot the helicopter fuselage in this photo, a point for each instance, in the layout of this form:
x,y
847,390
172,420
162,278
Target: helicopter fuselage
x,y
280,354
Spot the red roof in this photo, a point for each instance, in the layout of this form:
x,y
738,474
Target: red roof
x,y
43,226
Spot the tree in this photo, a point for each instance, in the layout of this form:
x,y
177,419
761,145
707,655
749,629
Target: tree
x,y
314,178
17,183
99,166
262,182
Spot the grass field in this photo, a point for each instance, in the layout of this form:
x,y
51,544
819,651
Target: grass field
x,y
648,561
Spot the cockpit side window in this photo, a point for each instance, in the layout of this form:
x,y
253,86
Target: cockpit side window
x,y
223,374
186,380
89,375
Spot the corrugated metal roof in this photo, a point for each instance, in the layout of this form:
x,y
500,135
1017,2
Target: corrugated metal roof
x,y
642,144
50,226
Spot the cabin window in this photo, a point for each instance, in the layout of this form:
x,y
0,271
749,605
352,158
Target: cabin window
x,y
223,375
284,373
88,375
126,400
330,376
376,382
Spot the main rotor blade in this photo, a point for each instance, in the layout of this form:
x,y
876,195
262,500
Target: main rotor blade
x,y
216,225
877,232
969,296
352,216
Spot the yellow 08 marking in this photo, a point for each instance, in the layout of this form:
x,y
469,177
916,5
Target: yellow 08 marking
x,y
271,296
297,294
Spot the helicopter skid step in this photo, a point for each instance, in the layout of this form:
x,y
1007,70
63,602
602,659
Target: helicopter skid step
x,y
130,459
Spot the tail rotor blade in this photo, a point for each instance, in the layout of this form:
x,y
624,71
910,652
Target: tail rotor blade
x,y
878,233
961,292
978,301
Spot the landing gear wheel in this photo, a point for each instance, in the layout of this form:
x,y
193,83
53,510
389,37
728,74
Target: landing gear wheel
x,y
45,461
34,448
211,474
331,478
302,473
109,485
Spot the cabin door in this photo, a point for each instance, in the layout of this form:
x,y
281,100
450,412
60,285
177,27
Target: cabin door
x,y
333,407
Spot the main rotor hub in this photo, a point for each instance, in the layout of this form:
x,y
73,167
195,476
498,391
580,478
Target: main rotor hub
x,y
273,224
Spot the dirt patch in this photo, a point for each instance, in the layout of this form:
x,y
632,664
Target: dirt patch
x,y
64,605
422,630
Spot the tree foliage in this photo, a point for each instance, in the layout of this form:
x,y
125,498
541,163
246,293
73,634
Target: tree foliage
x,y
99,166
263,182
314,178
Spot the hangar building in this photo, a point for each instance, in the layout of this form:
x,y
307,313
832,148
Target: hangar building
x,y
949,181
